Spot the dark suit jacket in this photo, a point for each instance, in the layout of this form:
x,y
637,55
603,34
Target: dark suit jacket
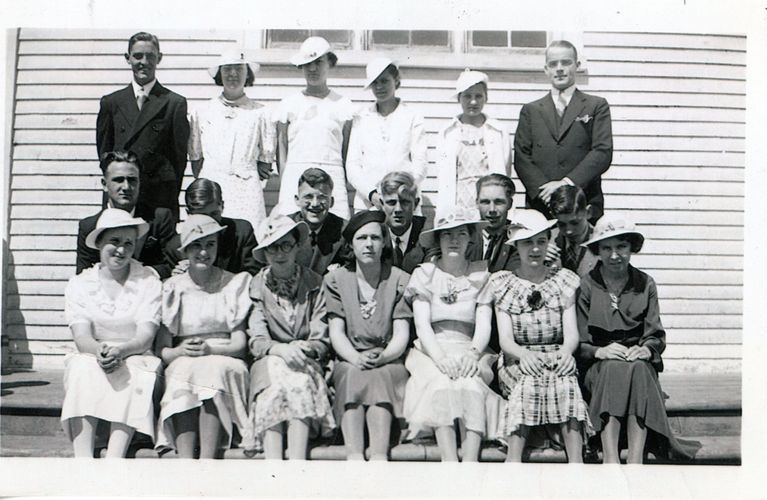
x,y
585,261
330,248
235,248
414,252
158,134
503,258
581,147
162,228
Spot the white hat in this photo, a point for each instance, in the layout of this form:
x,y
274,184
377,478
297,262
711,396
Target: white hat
x,y
374,69
455,217
232,58
275,227
312,49
527,223
608,226
197,226
468,78
115,217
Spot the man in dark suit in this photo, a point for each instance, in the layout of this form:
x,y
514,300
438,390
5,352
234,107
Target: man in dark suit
x,y
564,138
325,244
149,120
399,199
122,185
236,241
495,195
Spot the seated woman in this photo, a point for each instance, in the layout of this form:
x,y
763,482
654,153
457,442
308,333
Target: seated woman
x,y
621,340
113,310
450,364
369,329
289,341
206,381
538,333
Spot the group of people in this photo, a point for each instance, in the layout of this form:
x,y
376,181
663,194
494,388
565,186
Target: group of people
x,y
491,326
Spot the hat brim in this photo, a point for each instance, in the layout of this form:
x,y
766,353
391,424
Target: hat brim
x,y
213,70
201,236
90,241
619,232
299,60
303,234
524,233
428,239
369,81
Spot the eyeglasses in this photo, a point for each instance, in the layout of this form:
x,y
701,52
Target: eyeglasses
x,y
284,247
309,199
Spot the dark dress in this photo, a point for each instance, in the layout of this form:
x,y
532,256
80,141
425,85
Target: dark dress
x,y
383,385
620,388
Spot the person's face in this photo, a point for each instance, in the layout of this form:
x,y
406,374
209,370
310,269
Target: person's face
x,y
367,243
214,209
493,206
399,211
473,100
454,241
116,247
143,59
561,67
532,251
615,254
233,77
384,87
121,184
316,72
202,253
314,202
283,251
573,225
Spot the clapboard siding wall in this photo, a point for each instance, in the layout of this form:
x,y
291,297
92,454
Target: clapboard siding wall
x,y
678,108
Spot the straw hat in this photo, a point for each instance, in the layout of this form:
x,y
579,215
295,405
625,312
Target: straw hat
x,y
455,217
275,227
374,69
232,58
468,78
607,227
197,226
527,223
312,49
115,217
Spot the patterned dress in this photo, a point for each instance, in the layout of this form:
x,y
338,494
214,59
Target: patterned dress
x,y
209,312
535,400
472,164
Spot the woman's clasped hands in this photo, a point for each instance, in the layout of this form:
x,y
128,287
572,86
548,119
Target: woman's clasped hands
x,y
464,365
296,353
194,346
109,357
620,352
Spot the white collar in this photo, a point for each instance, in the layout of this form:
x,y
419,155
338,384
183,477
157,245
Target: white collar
x,y
132,212
568,93
142,89
489,122
404,237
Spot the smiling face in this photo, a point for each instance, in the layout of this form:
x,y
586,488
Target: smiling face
x,y
493,206
116,247
532,251
399,210
615,254
202,253
561,67
384,87
143,59
121,184
316,72
367,243
454,241
314,202
233,77
473,100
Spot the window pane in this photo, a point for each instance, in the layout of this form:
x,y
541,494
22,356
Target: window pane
x,y
490,38
432,38
528,39
340,37
390,37
296,36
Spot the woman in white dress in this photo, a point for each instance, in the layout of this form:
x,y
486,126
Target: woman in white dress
x,y
232,140
313,128
386,136
113,310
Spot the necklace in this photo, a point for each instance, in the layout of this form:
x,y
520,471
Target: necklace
x,y
614,290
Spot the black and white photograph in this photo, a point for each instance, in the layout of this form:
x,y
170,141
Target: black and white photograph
x,y
363,250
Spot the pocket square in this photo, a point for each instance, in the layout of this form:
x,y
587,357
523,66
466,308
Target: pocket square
x,y
585,118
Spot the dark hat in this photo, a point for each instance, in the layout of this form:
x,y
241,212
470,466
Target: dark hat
x,y
360,219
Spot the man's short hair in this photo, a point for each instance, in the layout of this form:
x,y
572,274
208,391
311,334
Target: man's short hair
x,y
202,192
565,45
567,200
143,36
399,183
120,155
315,177
498,180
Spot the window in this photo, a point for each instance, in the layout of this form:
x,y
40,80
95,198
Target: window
x,y
507,39
430,39
338,39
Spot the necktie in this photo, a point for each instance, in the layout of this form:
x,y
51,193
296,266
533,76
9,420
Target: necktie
x,y
571,257
140,100
561,103
313,238
490,247
398,255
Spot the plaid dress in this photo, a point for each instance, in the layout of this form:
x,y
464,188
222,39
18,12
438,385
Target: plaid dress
x,y
547,398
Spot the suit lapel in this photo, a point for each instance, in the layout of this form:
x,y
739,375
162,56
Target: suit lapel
x,y
417,225
577,103
157,100
549,113
126,103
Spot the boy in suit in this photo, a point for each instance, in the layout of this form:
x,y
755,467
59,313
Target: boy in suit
x,y
399,199
149,120
564,138
495,194
568,204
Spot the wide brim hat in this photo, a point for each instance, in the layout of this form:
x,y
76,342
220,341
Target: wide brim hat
x,y
455,217
233,58
312,49
115,217
374,69
274,227
608,227
197,226
469,78
526,223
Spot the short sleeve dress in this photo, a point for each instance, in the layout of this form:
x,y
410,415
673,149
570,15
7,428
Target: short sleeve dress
x,y
432,399
619,388
125,395
279,393
383,385
210,312
535,400
315,139
232,137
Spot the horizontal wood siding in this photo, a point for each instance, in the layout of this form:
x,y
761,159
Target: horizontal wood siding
x,y
678,108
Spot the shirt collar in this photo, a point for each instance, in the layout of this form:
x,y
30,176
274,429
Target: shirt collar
x,y
404,237
568,93
147,88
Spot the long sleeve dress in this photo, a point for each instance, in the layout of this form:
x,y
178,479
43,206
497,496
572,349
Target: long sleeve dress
x,y
209,312
124,395
279,393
